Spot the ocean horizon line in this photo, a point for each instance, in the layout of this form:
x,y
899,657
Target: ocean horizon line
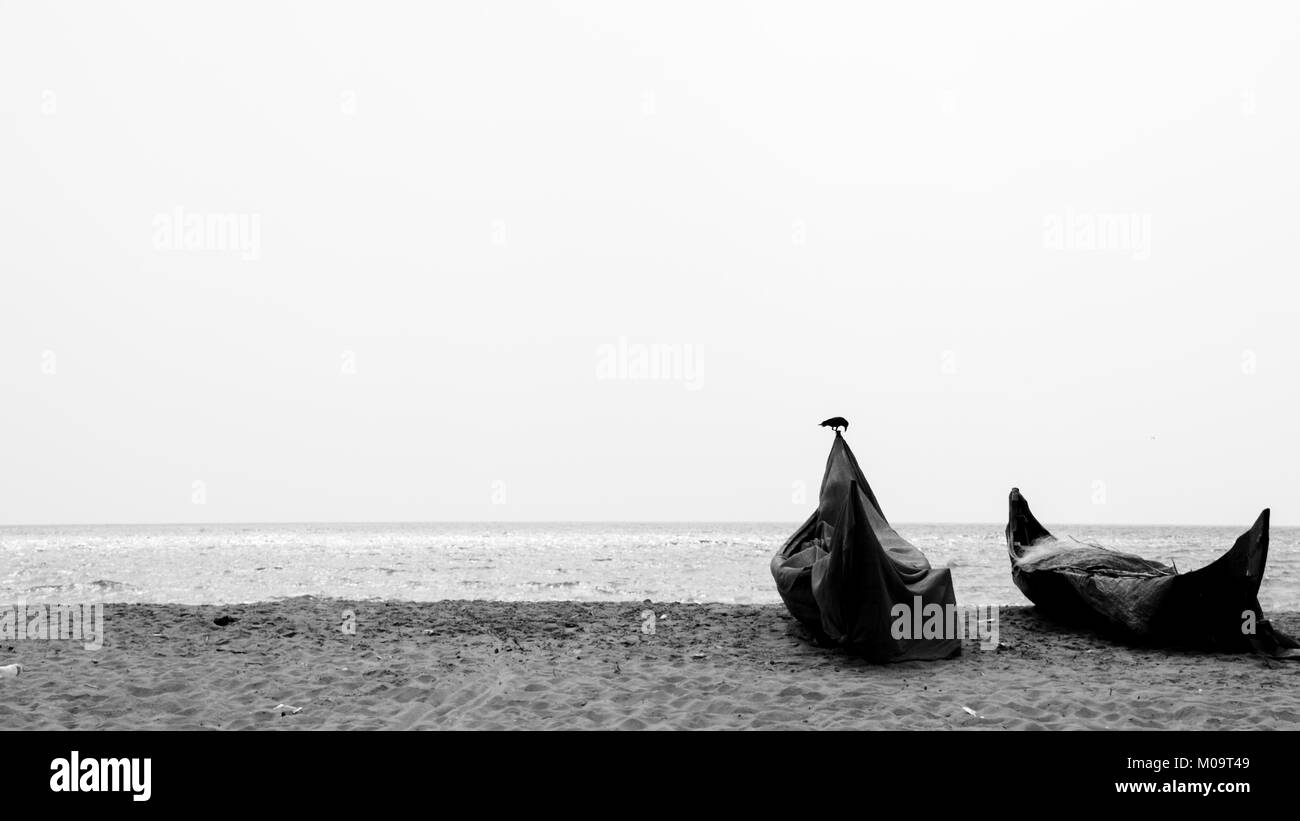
x,y
639,522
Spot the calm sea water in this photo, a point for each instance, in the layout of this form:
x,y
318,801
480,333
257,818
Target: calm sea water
x,y
215,564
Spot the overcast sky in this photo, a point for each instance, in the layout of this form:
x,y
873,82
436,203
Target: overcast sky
x,y
263,261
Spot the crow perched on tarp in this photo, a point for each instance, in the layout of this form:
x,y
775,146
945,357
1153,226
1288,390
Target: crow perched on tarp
x,y
835,423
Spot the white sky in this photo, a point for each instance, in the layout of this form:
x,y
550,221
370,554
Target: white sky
x,y
837,209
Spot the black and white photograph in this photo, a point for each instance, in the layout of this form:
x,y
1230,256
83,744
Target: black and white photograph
x,y
540,366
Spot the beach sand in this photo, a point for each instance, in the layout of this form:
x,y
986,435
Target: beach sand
x,y
574,665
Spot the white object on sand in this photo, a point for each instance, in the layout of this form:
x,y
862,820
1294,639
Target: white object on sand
x,y
286,709
11,671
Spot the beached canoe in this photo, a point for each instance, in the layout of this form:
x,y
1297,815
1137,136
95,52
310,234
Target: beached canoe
x,y
1214,608
845,572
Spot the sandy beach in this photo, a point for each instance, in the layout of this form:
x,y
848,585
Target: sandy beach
x,y
574,665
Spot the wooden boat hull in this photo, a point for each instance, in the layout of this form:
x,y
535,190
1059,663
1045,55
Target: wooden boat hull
x,y
1214,608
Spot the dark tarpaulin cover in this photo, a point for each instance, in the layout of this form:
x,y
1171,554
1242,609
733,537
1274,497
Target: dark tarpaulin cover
x,y
843,571
1093,586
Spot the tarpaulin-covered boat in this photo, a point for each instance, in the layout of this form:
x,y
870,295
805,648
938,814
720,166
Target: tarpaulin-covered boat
x,y
1215,608
845,570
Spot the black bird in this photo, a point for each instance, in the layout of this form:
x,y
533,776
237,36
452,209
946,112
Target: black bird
x,y
835,423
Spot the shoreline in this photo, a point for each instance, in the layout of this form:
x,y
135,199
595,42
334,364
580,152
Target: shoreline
x,y
477,664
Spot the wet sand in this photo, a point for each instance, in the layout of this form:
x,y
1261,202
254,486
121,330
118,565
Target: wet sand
x,y
574,665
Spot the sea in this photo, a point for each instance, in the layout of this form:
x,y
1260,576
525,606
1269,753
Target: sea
x,y
686,562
